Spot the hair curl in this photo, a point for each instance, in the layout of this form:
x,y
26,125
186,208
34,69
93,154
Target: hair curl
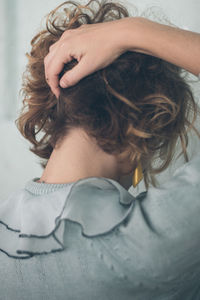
x,y
138,105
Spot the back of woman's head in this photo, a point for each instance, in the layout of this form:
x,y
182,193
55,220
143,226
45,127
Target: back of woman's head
x,y
139,105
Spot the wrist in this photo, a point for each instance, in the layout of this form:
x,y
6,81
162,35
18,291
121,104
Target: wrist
x,y
137,35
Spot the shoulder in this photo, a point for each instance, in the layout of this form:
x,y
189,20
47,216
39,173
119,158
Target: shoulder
x,y
162,233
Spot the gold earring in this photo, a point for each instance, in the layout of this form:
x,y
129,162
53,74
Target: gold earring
x,y
138,175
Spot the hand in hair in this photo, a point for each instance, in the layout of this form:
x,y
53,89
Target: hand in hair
x,y
138,106
94,46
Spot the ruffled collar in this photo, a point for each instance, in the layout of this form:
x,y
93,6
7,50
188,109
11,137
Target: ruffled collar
x,y
32,221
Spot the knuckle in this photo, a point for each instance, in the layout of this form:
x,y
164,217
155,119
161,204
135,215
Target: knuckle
x,y
66,33
83,25
64,45
51,47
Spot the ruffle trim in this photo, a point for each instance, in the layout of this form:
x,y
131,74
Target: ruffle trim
x,y
34,223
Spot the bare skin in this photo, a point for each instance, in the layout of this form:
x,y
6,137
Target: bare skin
x,y
79,156
89,45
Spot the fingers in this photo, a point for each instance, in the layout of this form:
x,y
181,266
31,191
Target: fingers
x,y
59,55
54,64
51,79
74,75
86,44
54,85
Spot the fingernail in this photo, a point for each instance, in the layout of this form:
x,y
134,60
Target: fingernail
x,y
63,84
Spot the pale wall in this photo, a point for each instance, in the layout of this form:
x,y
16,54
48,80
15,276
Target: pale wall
x,y
19,21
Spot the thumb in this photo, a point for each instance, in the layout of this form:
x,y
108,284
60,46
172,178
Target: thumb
x,y
74,75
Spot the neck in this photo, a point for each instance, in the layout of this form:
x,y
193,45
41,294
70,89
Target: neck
x,y
79,157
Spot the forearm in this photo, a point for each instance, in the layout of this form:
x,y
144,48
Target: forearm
x,y
177,46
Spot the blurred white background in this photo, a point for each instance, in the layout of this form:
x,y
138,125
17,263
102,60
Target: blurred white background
x,y
20,20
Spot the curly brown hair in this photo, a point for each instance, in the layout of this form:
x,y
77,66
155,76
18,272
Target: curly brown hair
x,y
139,104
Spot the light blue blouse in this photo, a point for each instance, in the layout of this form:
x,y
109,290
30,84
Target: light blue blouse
x,y
93,240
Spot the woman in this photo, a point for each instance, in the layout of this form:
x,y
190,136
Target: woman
x,y
127,104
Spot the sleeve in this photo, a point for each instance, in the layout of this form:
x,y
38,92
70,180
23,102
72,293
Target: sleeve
x,y
160,242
